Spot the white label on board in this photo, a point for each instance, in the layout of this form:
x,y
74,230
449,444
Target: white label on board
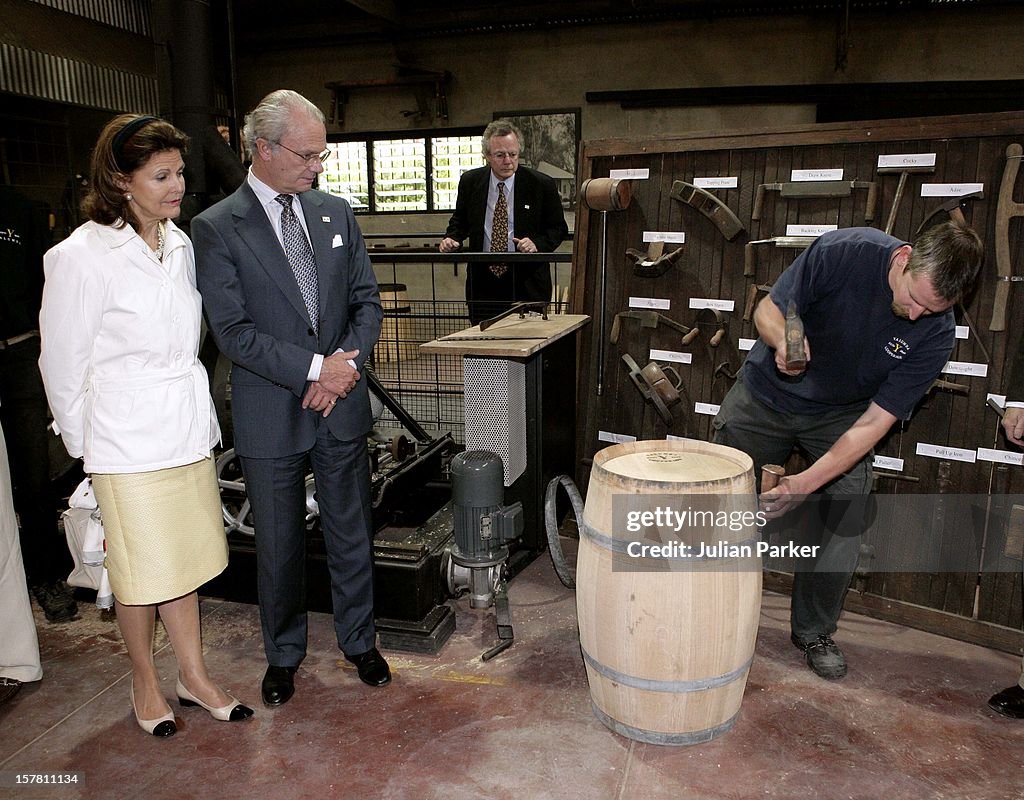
x,y
671,355
950,189
809,230
664,236
963,332
650,302
888,462
746,344
614,438
712,302
816,175
1000,456
948,453
716,183
709,409
630,174
907,160
966,368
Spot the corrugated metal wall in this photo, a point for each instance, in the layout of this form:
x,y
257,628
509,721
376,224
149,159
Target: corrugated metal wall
x,y
50,77
131,15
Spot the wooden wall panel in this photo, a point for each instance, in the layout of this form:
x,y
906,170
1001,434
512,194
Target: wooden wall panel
x,y
969,149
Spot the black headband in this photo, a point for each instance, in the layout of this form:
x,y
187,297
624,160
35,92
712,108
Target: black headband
x,y
122,136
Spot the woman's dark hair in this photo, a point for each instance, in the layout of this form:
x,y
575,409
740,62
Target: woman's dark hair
x,y
125,144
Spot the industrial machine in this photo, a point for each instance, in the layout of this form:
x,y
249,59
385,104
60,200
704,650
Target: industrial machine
x,y
477,562
442,530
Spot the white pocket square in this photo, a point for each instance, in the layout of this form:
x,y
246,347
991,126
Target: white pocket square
x,y
336,241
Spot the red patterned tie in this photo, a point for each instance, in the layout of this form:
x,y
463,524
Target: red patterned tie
x,y
499,231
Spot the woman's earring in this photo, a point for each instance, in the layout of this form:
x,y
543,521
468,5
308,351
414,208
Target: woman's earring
x,y
128,196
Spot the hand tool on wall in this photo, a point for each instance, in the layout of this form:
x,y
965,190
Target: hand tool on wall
x,y
1006,210
654,385
954,207
904,171
802,190
655,262
940,384
796,354
723,370
974,331
750,256
878,475
710,206
708,318
647,319
604,195
752,292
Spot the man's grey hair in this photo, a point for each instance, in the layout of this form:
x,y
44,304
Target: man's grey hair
x,y
500,127
269,120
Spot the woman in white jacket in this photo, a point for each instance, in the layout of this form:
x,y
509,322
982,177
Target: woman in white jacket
x,y
120,325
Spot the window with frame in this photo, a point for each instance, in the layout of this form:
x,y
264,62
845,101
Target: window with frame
x,y
383,173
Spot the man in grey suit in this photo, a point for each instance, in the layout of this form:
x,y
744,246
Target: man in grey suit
x,y
534,223
290,297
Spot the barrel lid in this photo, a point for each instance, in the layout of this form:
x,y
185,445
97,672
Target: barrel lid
x,y
674,462
662,465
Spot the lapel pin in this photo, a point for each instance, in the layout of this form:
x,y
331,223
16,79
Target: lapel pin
x,y
526,206
325,219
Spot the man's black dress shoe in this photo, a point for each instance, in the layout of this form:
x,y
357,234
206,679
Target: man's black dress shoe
x,y
278,685
1009,702
373,669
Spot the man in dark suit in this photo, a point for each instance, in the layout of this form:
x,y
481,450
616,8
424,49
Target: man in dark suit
x,y
290,297
535,224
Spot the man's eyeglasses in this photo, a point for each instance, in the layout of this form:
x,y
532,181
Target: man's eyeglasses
x,y
311,158
502,155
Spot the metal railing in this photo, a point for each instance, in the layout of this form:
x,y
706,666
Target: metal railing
x,y
423,293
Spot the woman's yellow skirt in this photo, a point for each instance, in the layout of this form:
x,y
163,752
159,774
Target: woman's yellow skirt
x,y
164,529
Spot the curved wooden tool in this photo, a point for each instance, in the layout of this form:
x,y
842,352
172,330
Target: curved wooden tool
x,y
655,262
710,206
752,292
1006,210
954,207
647,319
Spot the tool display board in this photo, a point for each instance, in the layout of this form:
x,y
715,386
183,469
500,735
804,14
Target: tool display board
x,y
690,315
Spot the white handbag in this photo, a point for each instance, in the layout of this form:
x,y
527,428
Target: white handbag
x,y
83,529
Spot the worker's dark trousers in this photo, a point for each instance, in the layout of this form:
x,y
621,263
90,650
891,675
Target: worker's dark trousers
x,y
835,517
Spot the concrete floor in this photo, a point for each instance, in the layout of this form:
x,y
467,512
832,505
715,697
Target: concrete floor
x,y
909,721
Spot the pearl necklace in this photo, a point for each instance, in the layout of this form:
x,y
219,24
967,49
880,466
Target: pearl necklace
x,y
161,239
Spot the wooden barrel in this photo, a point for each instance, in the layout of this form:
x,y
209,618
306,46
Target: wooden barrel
x,y
606,194
395,342
668,641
